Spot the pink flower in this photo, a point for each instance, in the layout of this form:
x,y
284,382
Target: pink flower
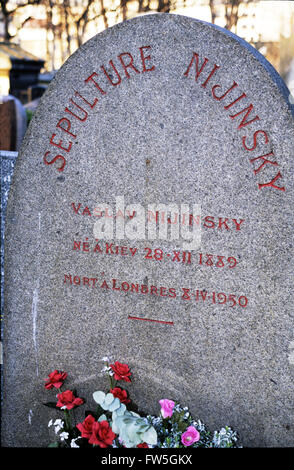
x,y
167,407
190,436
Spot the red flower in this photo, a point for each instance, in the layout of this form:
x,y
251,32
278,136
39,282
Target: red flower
x,y
120,394
68,400
86,426
121,371
55,379
102,434
143,445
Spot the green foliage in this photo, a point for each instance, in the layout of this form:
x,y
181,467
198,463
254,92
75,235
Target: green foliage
x,y
129,426
29,114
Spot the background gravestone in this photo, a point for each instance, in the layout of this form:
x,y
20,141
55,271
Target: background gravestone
x,y
13,123
159,109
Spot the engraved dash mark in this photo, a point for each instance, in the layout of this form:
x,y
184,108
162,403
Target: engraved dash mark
x,y
150,319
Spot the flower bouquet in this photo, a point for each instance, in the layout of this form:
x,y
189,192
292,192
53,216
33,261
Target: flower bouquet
x,y
116,423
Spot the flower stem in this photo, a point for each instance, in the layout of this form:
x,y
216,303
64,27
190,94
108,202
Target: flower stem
x,y
67,419
112,382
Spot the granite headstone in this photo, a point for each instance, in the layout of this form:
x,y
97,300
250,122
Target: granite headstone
x,y
150,218
13,123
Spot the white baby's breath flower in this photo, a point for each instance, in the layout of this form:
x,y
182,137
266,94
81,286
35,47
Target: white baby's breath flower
x,y
58,422
58,425
73,443
64,435
107,371
105,359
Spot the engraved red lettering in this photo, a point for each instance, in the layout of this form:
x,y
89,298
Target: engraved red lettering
x,y
86,211
255,140
76,209
134,287
223,222
153,290
271,183
219,98
176,256
163,292
77,245
91,79
86,245
109,76
125,286
144,58
97,247
92,105
172,292
114,285
97,212
59,144
67,128
84,113
186,295
94,279
67,277
195,58
193,219
104,285
232,261
203,294
77,280
210,75
129,64
238,224
209,222
264,161
109,249
57,157
244,121
220,263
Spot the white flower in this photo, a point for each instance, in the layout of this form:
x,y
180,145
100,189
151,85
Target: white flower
x,y
64,435
58,424
107,370
50,423
105,359
73,443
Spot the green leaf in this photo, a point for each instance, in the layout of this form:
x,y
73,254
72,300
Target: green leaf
x,y
150,436
99,397
114,405
102,418
54,444
109,399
